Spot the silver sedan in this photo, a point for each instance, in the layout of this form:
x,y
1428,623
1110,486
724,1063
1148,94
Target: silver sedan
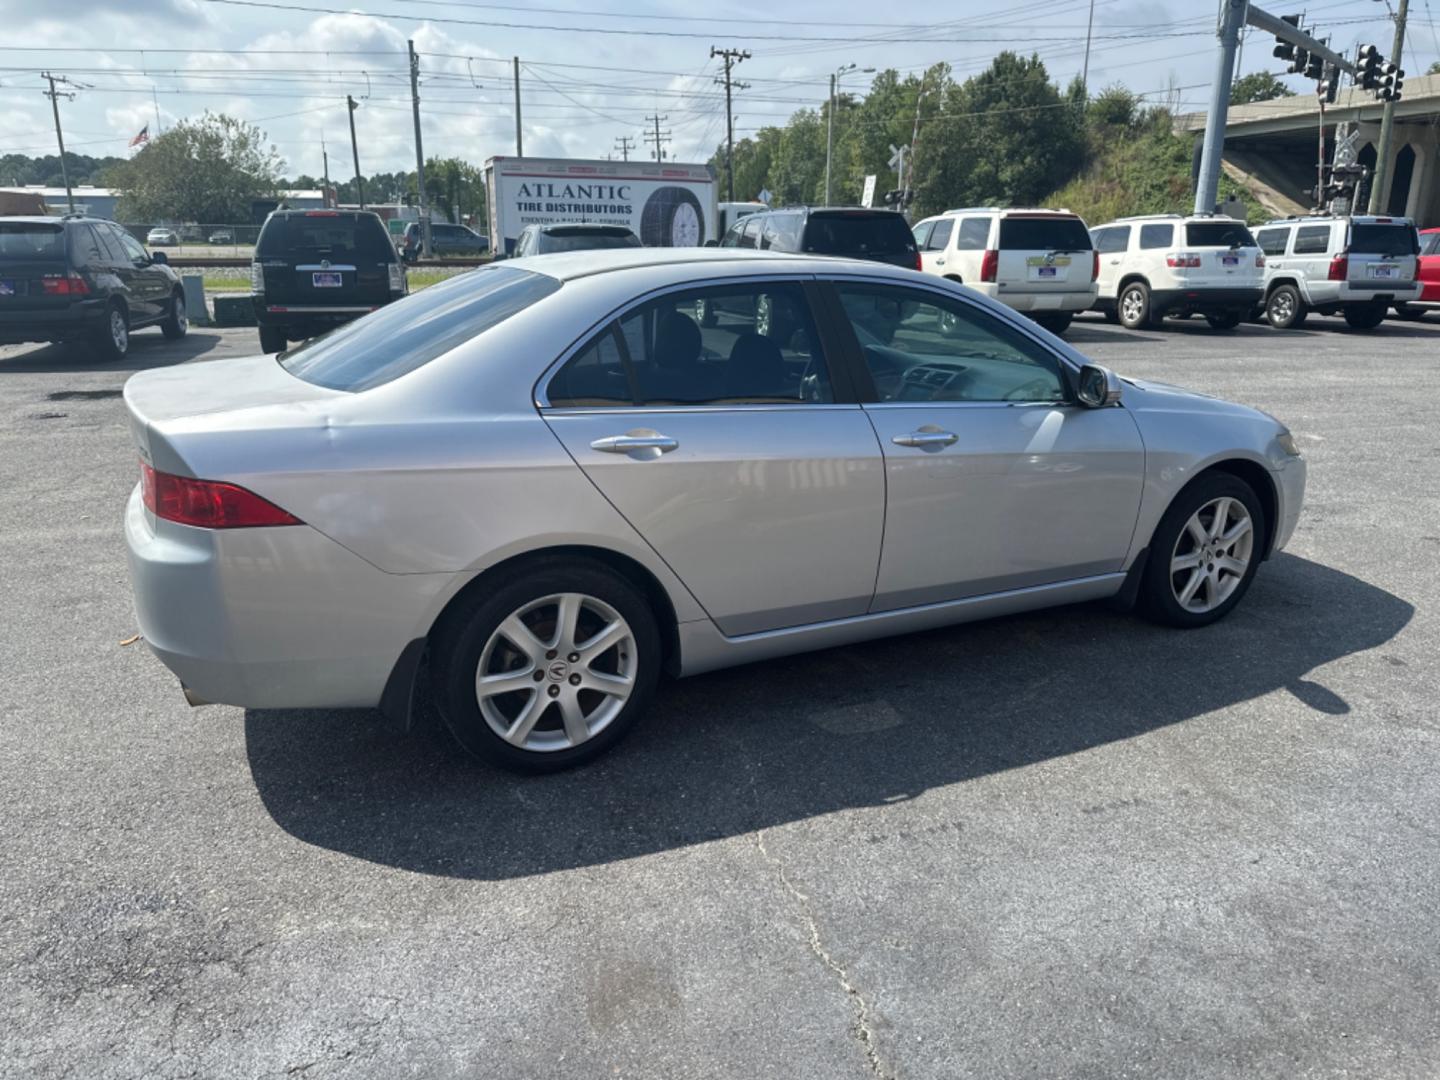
x,y
542,484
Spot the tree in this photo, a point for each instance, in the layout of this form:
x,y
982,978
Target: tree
x,y
1258,86
454,186
1434,68
208,170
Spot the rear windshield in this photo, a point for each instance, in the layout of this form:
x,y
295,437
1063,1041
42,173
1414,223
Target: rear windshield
x,y
1389,240
1218,234
858,234
409,333
1043,234
336,237
27,240
587,240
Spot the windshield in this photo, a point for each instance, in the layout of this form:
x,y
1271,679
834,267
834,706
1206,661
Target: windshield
x,y
1043,234
324,235
29,240
409,333
1218,234
858,234
587,241
1387,240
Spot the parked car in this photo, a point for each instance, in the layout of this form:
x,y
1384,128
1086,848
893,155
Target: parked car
x,y
1353,266
222,236
630,493
445,240
1429,275
1177,264
162,238
316,269
1040,262
577,236
83,280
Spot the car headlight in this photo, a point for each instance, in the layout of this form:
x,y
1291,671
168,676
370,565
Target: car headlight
x,y
1287,443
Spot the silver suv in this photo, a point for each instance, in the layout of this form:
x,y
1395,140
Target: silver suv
x,y
1353,266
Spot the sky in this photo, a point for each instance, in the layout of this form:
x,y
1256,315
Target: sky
x,y
591,74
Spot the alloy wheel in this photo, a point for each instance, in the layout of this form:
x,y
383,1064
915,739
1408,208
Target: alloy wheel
x,y
1132,306
556,672
119,331
1212,554
182,318
1282,306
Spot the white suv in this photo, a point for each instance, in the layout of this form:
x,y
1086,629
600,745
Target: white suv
x,y
1039,262
1355,266
1178,264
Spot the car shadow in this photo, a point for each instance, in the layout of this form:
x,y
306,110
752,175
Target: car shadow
x,y
148,349
787,740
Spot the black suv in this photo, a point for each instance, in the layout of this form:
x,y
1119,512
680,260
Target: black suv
x,y
316,269
855,232
79,279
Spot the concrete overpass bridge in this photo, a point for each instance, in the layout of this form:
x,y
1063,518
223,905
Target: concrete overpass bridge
x,y
1277,143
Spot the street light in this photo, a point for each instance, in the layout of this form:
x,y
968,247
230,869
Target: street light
x,y
830,125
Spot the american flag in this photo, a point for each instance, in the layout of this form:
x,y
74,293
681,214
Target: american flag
x,y
143,136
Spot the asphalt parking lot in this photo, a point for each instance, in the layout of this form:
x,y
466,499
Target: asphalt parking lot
x,y
1068,844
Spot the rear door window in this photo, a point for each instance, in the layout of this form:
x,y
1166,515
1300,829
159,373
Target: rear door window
x,y
1312,240
25,241
1043,233
1389,241
1432,244
749,232
1108,241
408,334
974,234
859,233
1156,236
324,236
922,233
940,235
1218,234
1272,241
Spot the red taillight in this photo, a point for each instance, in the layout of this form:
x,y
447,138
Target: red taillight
x,y
1260,260
71,284
918,264
989,264
207,504
1182,259
1340,267
1095,266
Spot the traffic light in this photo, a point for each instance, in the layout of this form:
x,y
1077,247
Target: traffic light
x,y
1367,67
1301,61
1392,81
1328,88
1315,67
1283,49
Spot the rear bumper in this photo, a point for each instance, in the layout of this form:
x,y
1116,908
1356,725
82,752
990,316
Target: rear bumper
x,y
1341,293
1232,299
1017,298
53,324
272,618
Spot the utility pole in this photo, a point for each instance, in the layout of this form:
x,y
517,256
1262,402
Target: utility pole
x,y
55,96
425,248
731,57
159,130
624,144
325,167
1232,18
519,144
659,138
1085,70
355,150
1378,193
829,137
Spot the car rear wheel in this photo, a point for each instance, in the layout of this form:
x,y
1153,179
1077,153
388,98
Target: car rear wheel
x,y
1284,308
112,339
550,670
1224,320
1134,307
1409,312
1057,323
272,339
1365,316
1204,553
704,312
177,322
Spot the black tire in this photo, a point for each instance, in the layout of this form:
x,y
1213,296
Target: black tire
x,y
705,313
1157,600
272,339
1284,308
1142,317
177,321
460,639
1224,320
1409,313
1364,316
108,341
672,214
1057,324
774,324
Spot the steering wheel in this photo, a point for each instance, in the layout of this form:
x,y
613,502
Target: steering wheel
x,y
1034,390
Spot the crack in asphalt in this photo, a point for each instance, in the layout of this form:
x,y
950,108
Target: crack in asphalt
x,y
861,1028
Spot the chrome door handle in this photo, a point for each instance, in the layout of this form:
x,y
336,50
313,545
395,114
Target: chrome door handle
x,y
939,262
923,439
625,444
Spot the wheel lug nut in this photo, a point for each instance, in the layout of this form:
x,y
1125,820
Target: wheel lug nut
x,y
574,658
550,654
554,691
539,676
574,680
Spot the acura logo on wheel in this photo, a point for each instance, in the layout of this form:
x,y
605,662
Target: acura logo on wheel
x,y
558,670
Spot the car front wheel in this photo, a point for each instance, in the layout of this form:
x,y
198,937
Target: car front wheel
x,y
1204,553
177,322
1409,312
1224,320
549,670
1134,307
1285,309
272,339
1056,324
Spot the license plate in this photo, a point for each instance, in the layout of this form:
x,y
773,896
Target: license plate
x,y
327,280
1045,271
1383,271
1229,260
7,288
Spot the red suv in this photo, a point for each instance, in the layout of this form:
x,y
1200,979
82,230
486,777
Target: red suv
x,y
1429,272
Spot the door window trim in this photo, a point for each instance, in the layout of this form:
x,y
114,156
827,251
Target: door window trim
x,y
843,389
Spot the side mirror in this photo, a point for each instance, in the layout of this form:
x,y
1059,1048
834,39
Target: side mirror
x,y
160,257
712,243
1098,387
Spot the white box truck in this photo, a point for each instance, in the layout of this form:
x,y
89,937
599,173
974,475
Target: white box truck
x,y
666,204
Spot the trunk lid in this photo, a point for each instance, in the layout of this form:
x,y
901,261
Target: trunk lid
x,y
30,252
1045,253
1229,256
1381,254
325,258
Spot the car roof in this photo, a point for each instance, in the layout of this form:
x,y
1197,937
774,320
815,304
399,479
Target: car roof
x,y
586,226
1056,211
39,219
569,265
